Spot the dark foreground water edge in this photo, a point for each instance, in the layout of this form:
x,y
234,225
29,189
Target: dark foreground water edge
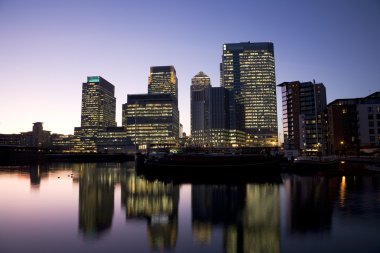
x,y
106,207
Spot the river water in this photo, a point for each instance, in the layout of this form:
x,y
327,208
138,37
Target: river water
x,y
107,207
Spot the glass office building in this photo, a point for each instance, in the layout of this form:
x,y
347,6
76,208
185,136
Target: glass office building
x,y
152,120
163,80
98,110
200,109
248,71
98,103
98,106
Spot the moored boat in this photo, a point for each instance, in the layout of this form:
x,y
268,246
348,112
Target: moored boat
x,y
201,167
315,163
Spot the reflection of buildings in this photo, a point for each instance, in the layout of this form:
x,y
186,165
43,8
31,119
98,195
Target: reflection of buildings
x,y
249,214
309,204
261,218
367,187
96,197
36,172
155,201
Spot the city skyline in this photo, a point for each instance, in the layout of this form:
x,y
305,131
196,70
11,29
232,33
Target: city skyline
x,y
49,49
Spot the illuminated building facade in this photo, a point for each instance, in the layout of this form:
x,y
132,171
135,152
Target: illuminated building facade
x,y
98,105
248,71
210,115
98,110
65,143
152,120
302,106
163,80
114,140
200,109
220,132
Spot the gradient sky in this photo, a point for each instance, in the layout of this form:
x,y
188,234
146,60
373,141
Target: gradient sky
x,y
48,48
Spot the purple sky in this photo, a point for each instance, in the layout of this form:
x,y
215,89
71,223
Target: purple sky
x,y
48,48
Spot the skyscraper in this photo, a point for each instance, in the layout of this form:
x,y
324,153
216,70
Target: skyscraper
x,y
98,103
200,96
98,110
163,80
248,70
210,115
152,120
302,105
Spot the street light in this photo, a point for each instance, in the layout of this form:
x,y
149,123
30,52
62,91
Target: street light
x,y
341,148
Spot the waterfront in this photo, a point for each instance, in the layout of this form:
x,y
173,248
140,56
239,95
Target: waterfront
x,y
98,207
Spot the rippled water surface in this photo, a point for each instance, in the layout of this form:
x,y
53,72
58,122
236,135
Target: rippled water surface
x,y
107,207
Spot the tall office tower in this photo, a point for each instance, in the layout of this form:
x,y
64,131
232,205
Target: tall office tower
x,y
163,80
210,114
200,95
98,111
248,70
302,105
221,133
98,103
152,120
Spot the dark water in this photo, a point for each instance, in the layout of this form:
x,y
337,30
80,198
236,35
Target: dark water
x,y
107,208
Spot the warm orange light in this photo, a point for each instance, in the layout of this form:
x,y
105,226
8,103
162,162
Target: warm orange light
x,y
342,191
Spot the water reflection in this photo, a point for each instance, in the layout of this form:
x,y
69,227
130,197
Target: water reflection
x,y
249,215
96,198
36,171
310,202
157,203
364,186
125,212
342,191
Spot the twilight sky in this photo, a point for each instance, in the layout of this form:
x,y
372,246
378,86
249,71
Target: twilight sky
x,y
48,48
